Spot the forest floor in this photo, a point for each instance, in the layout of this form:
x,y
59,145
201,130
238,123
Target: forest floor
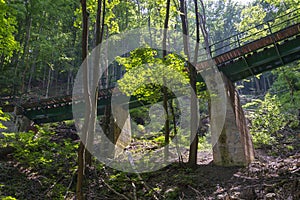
x,y
275,174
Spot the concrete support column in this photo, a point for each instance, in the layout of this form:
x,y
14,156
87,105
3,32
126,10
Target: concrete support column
x,y
234,145
122,129
117,133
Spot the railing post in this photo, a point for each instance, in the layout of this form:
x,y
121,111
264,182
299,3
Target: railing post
x,y
275,44
238,40
269,27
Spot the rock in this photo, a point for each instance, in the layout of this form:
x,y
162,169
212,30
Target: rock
x,y
235,196
270,196
223,196
171,193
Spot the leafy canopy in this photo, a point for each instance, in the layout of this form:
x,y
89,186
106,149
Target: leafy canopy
x,y
147,72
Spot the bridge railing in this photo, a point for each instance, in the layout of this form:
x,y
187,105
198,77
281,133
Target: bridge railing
x,y
256,32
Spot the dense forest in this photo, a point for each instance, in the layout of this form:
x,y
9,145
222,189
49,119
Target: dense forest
x,y
45,45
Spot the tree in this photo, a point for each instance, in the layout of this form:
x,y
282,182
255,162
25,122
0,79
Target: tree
x,y
192,76
96,73
44,57
8,43
87,97
165,92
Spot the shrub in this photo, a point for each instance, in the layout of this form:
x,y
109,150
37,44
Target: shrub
x,y
266,121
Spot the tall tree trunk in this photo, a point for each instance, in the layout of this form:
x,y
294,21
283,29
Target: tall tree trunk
x,y
70,72
34,58
108,120
165,89
48,82
184,28
16,60
69,82
149,28
96,74
44,77
24,59
202,24
32,70
81,159
192,75
180,160
193,82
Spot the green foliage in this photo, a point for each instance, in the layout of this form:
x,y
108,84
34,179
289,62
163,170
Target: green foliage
x,y
7,30
254,104
110,16
204,143
44,40
8,198
284,6
146,73
3,117
287,88
266,121
251,17
160,139
42,154
45,155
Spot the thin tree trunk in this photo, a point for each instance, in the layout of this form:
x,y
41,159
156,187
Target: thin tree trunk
x,y
24,59
16,60
33,66
69,82
180,160
44,77
96,74
30,77
80,172
203,28
81,159
149,28
194,107
265,83
165,89
109,125
184,28
70,74
48,83
192,75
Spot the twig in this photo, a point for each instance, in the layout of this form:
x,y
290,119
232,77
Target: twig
x,y
114,191
296,170
70,184
134,191
182,196
195,190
